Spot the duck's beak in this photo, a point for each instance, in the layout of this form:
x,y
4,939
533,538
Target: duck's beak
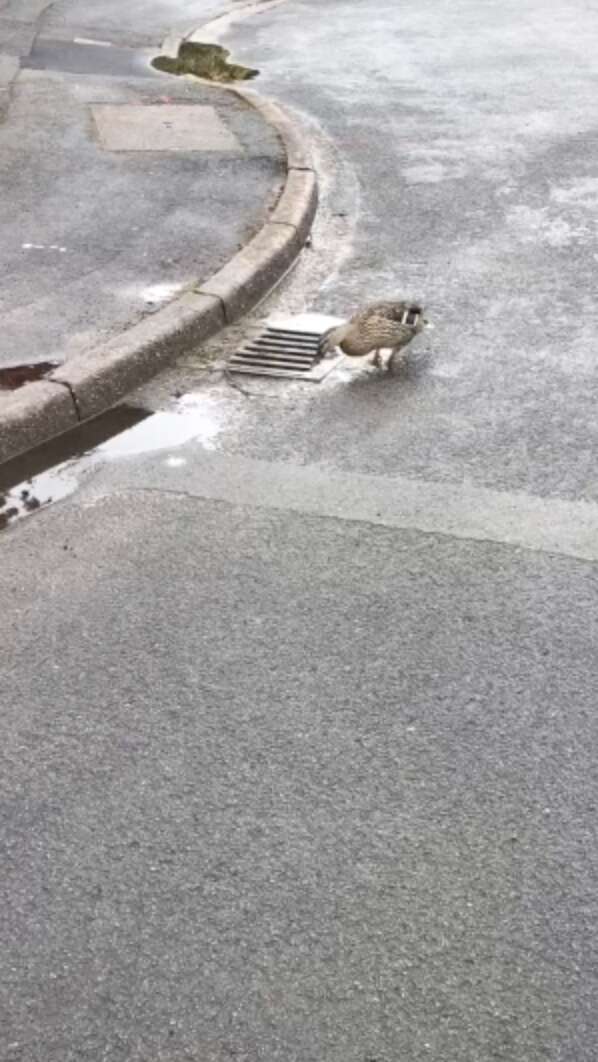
x,y
428,326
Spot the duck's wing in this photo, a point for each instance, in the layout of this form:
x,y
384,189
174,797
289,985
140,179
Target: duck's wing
x,y
376,332
402,333
389,309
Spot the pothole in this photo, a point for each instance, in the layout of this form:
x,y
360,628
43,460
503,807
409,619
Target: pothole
x,y
209,61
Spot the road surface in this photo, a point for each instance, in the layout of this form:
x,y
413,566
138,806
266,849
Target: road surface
x,y
297,767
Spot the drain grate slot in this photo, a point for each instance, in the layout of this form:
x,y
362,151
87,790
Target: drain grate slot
x,y
286,348
266,359
307,339
282,348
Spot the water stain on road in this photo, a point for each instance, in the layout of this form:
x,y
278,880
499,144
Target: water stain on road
x,y
14,376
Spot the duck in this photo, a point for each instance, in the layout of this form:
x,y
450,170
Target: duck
x,y
389,324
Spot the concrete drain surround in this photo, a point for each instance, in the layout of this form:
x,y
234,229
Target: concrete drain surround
x,y
288,348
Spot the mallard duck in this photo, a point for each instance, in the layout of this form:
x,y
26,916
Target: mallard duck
x,y
390,324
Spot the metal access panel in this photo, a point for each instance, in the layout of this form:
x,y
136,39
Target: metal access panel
x,y
287,347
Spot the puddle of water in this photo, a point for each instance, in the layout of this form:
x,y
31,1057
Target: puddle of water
x,y
15,376
196,417
52,471
157,294
36,494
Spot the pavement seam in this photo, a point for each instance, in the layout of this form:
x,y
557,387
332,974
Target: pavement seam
x,y
7,84
103,376
460,510
311,514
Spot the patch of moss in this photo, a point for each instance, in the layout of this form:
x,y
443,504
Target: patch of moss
x,y
209,61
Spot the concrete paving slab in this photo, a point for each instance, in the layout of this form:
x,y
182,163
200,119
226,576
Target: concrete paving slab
x,y
134,127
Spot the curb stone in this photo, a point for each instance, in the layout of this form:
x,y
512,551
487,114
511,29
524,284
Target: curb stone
x,y
87,385
99,378
34,414
296,147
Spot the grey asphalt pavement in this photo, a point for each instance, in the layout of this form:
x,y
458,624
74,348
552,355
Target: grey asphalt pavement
x,y
299,684
139,23
472,133
283,787
119,187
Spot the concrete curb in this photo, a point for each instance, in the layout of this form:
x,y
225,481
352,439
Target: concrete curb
x,y
90,383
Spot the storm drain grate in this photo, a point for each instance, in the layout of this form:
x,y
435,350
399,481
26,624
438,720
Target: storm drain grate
x,y
287,347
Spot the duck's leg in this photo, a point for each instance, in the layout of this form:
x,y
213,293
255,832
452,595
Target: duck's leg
x,y
396,352
377,360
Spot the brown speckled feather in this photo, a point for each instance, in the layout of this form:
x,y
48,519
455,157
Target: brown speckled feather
x,y
378,326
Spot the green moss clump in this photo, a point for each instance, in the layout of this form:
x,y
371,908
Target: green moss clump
x,y
209,61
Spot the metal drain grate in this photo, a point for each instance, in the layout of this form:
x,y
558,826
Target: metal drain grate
x,y
287,347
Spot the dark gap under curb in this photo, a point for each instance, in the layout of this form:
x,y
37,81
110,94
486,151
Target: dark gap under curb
x,y
71,444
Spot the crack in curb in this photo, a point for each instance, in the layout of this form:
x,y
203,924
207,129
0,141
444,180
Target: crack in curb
x,y
63,383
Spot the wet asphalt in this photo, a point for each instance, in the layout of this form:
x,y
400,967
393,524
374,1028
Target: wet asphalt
x,y
293,769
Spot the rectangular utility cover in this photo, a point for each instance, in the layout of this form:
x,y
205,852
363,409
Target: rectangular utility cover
x,y
162,127
287,347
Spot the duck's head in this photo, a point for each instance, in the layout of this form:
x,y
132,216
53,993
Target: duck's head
x,y
331,339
